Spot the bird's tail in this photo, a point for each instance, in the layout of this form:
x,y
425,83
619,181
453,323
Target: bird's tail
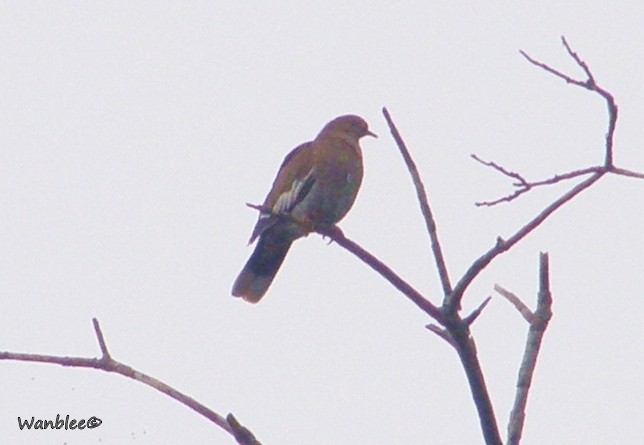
x,y
260,269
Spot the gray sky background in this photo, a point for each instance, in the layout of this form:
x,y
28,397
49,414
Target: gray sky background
x,y
133,134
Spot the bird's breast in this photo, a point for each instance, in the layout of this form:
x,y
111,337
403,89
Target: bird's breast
x,y
338,178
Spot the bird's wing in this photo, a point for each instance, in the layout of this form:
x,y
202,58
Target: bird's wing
x,y
294,181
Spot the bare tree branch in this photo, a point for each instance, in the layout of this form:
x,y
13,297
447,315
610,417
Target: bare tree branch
x,y
538,326
520,179
442,333
108,364
466,349
523,186
624,172
335,234
516,301
476,312
424,206
596,172
101,339
243,436
590,84
502,246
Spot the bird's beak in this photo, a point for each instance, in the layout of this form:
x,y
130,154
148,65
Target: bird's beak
x,y
371,133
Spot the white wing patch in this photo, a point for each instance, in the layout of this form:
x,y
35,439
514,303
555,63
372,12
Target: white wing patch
x,y
287,200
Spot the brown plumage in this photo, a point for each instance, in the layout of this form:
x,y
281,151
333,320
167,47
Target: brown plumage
x,y
316,184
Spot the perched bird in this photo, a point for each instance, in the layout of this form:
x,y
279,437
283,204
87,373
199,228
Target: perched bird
x,y
315,187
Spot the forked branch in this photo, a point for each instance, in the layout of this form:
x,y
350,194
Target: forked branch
x,y
108,364
538,322
521,184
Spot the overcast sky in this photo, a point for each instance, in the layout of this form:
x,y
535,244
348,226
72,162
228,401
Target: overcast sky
x,y
133,134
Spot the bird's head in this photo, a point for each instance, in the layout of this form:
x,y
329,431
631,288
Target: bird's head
x,y
348,126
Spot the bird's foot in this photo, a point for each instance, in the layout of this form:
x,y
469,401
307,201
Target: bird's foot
x,y
331,232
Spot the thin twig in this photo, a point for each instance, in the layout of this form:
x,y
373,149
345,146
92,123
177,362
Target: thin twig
x,y
476,312
502,246
335,234
243,436
424,205
520,179
590,84
529,185
597,172
108,364
624,172
442,333
565,176
553,71
524,186
101,339
581,63
538,326
516,301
